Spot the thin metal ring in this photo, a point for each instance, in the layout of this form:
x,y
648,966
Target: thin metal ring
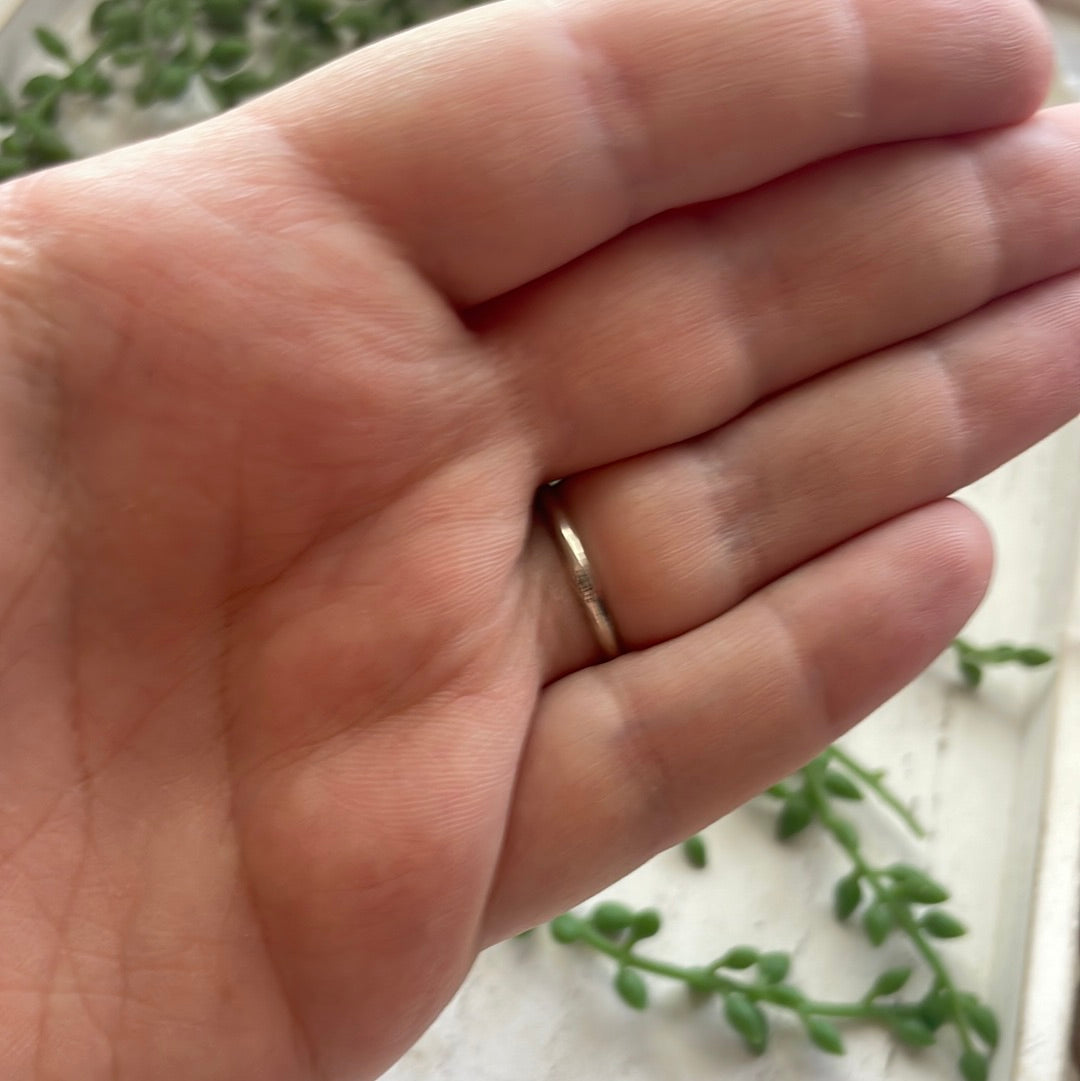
x,y
576,560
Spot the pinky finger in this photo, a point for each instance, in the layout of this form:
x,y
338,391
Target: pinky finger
x,y
629,757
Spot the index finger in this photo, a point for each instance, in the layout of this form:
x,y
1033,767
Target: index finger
x,y
498,144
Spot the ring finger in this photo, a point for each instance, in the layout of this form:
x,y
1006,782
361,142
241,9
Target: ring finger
x,y
680,535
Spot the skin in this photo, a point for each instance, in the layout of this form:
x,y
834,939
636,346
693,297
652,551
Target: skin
x,y
297,708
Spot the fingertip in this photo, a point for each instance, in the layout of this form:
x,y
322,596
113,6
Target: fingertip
x,y
998,56
963,563
908,586
940,560
1028,60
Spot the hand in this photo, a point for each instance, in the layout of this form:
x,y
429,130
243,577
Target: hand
x,y
299,709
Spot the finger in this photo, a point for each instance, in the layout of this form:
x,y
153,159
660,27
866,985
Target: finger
x,y
679,536
626,759
499,144
675,328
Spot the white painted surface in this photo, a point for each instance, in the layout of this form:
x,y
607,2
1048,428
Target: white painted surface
x,y
996,776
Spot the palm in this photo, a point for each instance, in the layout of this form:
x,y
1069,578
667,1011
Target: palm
x,y
278,599
301,706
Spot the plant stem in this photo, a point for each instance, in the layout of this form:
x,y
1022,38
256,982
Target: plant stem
x,y
872,780
819,797
756,991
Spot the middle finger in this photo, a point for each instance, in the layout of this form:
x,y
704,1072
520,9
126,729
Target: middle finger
x,y
680,536
684,323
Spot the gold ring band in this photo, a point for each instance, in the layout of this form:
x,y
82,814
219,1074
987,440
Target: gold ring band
x,y
576,560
